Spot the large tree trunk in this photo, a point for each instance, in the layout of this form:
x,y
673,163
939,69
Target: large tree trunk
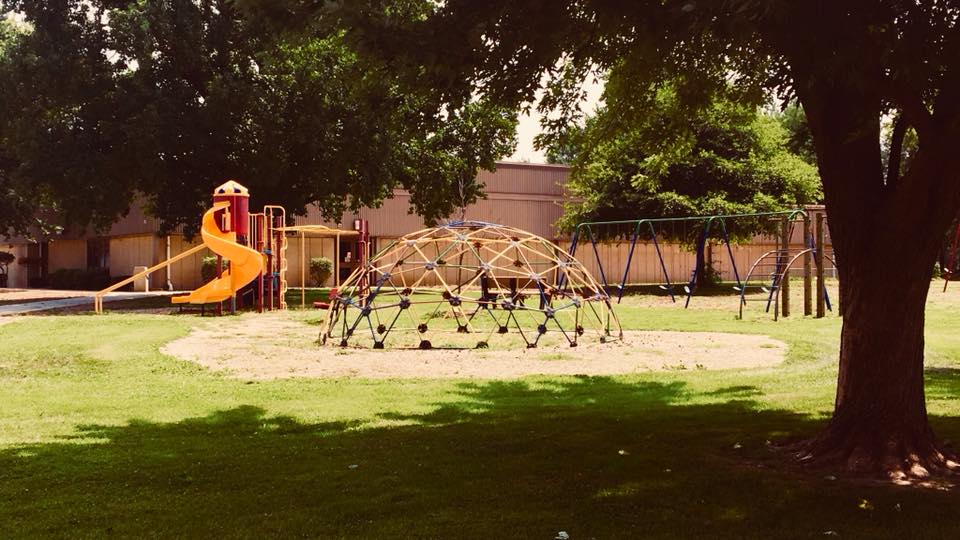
x,y
886,234
879,425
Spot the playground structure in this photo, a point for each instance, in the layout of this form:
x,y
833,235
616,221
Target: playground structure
x,y
769,273
255,246
493,281
322,231
245,263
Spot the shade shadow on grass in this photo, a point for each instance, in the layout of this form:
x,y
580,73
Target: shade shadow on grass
x,y
593,456
736,391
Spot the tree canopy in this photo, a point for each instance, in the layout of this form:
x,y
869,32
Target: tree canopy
x,y
799,138
103,101
728,158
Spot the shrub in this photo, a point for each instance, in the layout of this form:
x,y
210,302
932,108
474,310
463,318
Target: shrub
x,y
76,279
321,268
208,269
6,259
711,276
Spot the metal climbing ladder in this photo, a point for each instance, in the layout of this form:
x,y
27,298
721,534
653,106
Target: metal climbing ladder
x,y
770,270
276,217
766,274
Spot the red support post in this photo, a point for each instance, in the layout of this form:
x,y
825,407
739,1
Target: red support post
x,y
219,276
260,245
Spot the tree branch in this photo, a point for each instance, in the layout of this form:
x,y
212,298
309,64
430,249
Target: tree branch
x,y
946,106
896,149
914,110
910,103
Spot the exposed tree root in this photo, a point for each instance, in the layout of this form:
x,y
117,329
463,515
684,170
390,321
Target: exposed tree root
x,y
904,457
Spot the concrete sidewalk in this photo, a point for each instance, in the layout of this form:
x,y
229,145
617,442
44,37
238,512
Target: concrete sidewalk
x,y
86,300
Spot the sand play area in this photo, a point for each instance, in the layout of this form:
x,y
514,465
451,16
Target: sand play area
x,y
272,346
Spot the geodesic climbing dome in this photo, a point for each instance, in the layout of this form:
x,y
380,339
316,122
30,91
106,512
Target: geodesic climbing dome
x,y
465,283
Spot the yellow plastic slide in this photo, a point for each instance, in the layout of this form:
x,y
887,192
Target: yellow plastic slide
x,y
245,263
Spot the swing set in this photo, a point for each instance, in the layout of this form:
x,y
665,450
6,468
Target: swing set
x,y
769,273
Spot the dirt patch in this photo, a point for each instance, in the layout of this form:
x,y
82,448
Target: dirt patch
x,y
271,346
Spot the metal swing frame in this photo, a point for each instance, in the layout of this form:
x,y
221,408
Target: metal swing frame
x,y
586,230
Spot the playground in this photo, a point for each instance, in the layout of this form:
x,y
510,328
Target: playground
x,y
500,302
551,270
352,410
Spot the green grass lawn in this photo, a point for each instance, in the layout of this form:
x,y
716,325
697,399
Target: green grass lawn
x,y
102,435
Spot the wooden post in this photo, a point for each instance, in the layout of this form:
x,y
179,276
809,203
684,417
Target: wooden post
x,y
807,270
821,299
784,260
303,273
336,261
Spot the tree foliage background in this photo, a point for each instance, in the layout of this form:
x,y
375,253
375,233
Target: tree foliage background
x,y
103,101
728,158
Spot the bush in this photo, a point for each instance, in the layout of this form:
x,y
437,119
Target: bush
x,y
321,268
75,279
208,269
711,276
6,259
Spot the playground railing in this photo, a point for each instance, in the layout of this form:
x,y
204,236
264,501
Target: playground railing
x,y
98,298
